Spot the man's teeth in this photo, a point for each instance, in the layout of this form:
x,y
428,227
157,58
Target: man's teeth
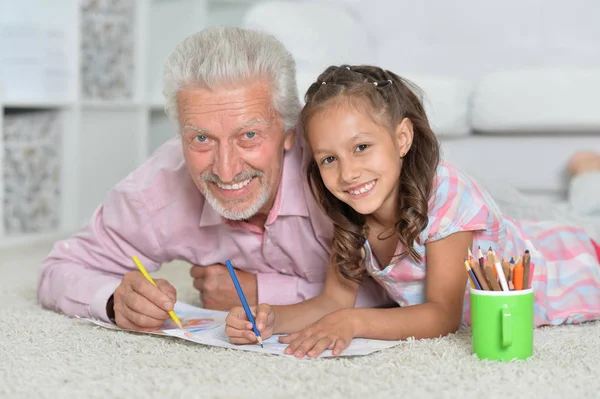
x,y
363,189
235,186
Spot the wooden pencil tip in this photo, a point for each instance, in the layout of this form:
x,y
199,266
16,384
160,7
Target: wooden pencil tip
x,y
526,251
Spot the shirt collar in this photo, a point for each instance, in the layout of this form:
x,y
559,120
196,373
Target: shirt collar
x,y
291,195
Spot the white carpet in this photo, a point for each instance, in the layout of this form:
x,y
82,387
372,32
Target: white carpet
x,y
44,354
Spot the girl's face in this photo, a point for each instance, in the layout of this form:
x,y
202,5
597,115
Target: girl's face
x,y
359,160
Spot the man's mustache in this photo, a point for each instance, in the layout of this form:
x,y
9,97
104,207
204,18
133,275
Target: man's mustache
x,y
243,176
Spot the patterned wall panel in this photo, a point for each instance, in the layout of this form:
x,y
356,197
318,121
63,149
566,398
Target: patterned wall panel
x,y
32,171
107,49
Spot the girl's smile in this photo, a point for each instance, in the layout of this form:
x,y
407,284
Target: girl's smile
x,y
362,190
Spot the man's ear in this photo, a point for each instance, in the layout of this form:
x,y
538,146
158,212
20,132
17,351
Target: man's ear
x,y
404,136
288,140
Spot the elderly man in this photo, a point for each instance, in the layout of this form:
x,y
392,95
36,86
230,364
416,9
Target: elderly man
x,y
231,186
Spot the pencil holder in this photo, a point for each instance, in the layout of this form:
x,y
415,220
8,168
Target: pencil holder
x,y
502,324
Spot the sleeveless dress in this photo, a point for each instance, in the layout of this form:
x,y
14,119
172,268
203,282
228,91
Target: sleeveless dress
x,y
566,277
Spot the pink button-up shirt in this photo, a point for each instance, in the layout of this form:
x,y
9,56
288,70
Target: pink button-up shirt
x,y
158,214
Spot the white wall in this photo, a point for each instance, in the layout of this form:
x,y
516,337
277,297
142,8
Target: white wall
x,y
468,38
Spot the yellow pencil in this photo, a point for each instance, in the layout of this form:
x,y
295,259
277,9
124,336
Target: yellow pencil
x,y
145,273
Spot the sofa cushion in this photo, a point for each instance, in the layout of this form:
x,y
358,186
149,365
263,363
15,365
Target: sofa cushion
x,y
558,100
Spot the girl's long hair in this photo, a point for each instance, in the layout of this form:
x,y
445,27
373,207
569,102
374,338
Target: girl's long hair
x,y
388,99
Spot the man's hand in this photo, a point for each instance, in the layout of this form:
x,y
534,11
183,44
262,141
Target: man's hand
x,y
141,306
217,290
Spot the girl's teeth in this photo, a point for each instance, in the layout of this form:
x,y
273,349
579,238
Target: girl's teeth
x,y
363,189
235,186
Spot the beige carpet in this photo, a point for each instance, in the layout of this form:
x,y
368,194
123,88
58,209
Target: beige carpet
x,y
44,354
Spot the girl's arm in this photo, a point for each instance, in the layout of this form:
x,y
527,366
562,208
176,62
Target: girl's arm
x,y
337,294
441,313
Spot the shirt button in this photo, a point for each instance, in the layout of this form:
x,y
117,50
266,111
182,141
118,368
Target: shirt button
x,y
268,240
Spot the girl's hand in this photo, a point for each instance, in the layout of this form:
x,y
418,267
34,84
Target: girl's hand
x,y
239,329
334,331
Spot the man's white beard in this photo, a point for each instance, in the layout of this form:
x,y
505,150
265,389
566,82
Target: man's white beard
x,y
243,214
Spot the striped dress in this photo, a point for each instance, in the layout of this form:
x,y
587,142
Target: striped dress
x,y
566,277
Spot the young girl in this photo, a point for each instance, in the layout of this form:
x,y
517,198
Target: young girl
x,y
407,219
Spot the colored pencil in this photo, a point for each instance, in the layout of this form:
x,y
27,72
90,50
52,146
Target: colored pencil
x,y
480,275
526,267
472,277
498,268
145,273
506,271
489,272
495,274
479,253
518,276
238,288
511,278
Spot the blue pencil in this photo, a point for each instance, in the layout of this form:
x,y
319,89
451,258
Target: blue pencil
x,y
238,288
472,276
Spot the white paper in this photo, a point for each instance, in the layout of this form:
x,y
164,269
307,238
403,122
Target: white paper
x,y
207,327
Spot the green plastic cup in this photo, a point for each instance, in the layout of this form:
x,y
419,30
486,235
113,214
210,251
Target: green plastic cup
x,y
502,324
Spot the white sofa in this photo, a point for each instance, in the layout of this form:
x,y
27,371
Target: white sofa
x,y
511,87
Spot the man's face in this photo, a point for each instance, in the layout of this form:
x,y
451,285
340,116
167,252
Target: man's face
x,y
233,144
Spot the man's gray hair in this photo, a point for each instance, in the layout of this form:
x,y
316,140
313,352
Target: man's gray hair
x,y
222,56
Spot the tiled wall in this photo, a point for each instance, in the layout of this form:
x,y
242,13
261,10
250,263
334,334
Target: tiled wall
x,y
32,169
107,49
